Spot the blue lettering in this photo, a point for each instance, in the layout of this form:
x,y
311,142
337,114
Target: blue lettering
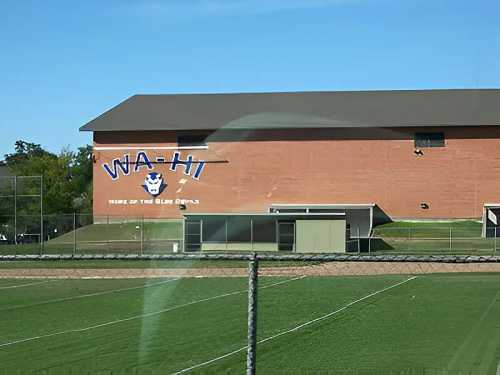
x,y
185,163
118,164
198,170
141,160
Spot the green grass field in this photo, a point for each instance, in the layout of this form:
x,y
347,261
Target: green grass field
x,y
431,323
433,237
427,229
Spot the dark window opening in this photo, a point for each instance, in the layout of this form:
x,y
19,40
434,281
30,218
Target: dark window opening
x,y
429,140
214,229
191,140
264,229
239,229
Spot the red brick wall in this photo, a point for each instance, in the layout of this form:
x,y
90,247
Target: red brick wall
x,y
256,169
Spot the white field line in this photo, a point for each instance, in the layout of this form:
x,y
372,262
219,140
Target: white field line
x,y
141,316
27,284
296,327
90,294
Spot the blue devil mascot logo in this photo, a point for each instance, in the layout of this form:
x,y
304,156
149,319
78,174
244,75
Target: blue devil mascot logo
x,y
153,184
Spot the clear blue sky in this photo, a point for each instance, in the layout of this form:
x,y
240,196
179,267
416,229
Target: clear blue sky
x,y
62,63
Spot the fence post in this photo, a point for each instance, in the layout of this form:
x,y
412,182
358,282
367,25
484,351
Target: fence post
x,y
142,235
15,211
74,233
41,215
253,270
107,237
409,238
495,243
359,245
370,243
450,240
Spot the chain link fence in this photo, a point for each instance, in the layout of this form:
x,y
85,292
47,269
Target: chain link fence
x,y
432,240
88,234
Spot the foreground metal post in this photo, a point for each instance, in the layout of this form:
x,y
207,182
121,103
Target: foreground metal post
x,y
253,271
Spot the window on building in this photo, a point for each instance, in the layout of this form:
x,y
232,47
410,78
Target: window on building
x,y
429,140
214,229
239,229
264,229
191,140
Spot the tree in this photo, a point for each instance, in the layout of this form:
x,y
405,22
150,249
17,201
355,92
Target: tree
x,y
67,177
81,177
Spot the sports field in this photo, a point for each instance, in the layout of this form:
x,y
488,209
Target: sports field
x,y
373,324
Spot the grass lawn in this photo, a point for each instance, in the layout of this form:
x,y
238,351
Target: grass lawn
x,y
163,326
157,237
429,229
406,237
124,232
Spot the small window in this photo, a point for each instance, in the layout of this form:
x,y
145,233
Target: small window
x,y
429,140
239,229
214,229
191,140
264,229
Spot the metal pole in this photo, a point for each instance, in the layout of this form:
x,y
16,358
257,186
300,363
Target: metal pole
x,y
253,270
107,229
359,247
495,243
450,240
15,210
74,233
142,235
409,238
41,215
370,243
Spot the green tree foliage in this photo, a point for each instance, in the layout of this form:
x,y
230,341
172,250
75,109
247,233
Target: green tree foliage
x,y
67,178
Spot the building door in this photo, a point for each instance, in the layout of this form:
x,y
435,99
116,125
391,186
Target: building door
x,y
286,235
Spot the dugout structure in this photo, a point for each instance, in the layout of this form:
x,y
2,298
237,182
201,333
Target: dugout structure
x,y
271,232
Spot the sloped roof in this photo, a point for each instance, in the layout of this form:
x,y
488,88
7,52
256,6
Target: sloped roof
x,y
341,109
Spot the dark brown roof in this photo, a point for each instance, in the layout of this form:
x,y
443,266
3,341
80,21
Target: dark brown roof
x,y
468,107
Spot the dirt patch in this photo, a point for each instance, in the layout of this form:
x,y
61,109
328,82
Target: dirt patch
x,y
325,269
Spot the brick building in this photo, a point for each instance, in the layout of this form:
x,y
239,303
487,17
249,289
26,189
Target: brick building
x,y
358,157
